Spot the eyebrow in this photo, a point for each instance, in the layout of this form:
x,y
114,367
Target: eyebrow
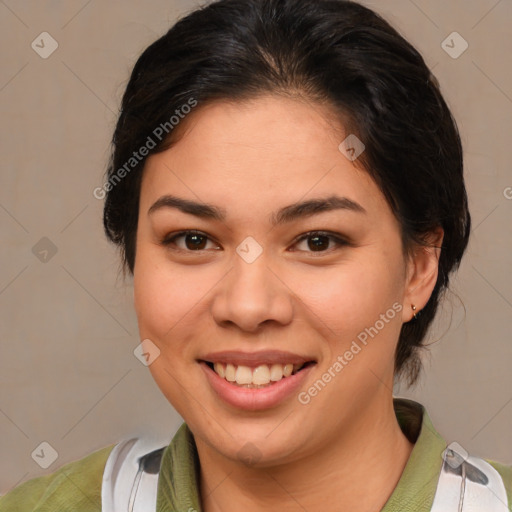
x,y
286,214
314,206
203,210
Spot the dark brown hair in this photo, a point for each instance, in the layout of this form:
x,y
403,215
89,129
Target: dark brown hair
x,y
334,51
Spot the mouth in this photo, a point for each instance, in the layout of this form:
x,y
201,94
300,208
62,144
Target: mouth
x,y
256,376
256,381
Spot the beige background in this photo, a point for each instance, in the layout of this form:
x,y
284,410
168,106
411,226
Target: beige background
x,y
68,375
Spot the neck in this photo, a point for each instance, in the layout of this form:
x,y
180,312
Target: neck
x,y
356,471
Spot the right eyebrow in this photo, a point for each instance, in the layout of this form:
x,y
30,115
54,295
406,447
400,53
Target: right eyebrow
x,y
202,210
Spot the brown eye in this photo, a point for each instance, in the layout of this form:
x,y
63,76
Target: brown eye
x,y
318,242
194,241
189,241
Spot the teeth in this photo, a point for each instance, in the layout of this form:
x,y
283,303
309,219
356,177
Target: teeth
x,y
230,373
260,376
243,375
276,372
219,368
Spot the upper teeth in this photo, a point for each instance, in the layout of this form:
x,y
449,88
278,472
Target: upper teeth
x,y
260,375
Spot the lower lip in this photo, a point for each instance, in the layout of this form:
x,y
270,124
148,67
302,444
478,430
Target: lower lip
x,y
255,399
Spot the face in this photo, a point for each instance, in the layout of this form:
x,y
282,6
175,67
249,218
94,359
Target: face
x,y
262,250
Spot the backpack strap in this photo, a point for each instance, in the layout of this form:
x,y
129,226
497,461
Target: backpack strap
x,y
468,484
130,478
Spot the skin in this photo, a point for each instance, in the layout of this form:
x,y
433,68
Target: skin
x,y
344,450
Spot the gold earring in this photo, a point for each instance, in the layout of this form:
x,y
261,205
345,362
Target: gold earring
x,y
414,314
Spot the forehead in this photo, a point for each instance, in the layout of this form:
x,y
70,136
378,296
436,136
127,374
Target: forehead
x,y
264,152
274,127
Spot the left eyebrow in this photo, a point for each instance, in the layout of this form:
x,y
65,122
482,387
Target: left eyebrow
x,y
313,207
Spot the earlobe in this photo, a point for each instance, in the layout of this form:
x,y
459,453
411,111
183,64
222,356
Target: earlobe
x,y
422,272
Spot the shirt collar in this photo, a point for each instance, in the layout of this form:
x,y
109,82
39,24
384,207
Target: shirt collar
x,y
178,483
417,486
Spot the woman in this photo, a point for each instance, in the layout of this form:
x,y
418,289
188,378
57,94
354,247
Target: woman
x,y
286,187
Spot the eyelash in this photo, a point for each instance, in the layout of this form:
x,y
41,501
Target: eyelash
x,y
336,239
339,241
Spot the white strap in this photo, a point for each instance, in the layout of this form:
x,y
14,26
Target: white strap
x,y
468,484
130,478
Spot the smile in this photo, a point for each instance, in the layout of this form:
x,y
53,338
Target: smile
x,y
261,376
255,381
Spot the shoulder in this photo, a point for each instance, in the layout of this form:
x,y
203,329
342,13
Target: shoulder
x,y
75,486
505,472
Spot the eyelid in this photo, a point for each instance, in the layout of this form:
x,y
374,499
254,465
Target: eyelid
x,y
337,238
169,239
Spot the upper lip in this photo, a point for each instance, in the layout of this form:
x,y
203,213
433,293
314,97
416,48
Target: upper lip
x,y
269,357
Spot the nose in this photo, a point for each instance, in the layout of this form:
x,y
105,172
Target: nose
x,y
250,295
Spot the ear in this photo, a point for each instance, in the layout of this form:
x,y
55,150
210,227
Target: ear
x,y
421,276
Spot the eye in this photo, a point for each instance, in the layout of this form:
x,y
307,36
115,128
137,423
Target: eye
x,y
189,241
319,241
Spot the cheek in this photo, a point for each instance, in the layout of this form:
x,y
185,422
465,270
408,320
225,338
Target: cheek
x,y
171,300
166,302
350,298
161,297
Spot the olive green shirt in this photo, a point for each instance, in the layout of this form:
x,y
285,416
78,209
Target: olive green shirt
x,y
77,485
